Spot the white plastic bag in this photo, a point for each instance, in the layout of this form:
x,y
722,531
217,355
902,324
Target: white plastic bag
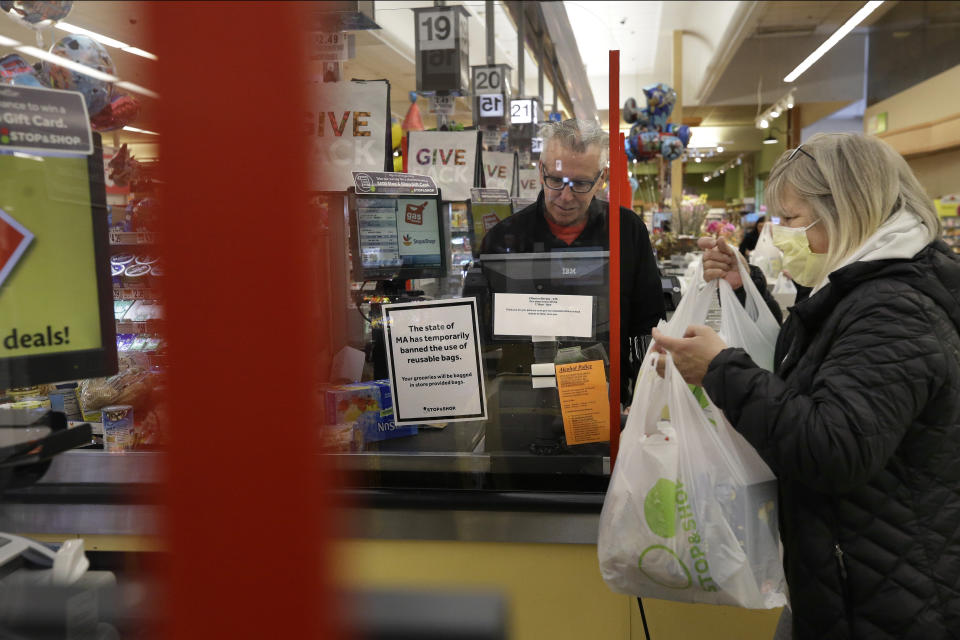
x,y
784,291
690,513
766,255
751,326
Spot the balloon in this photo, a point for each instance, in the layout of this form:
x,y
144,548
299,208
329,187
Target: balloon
x,y
671,148
14,70
396,133
35,14
397,164
683,132
650,142
660,99
121,111
85,51
630,111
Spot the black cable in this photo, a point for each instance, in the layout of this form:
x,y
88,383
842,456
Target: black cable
x,y
643,617
360,303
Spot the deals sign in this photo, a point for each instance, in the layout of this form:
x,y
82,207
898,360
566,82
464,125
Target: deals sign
x,y
499,169
451,158
347,126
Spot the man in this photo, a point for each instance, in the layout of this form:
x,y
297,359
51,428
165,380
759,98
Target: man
x,y
567,215
751,237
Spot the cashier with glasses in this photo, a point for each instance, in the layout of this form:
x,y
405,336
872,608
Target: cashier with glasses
x,y
567,215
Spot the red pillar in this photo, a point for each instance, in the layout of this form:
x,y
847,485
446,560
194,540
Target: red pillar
x,y
616,187
244,519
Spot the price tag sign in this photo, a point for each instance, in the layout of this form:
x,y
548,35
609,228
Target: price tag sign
x,y
435,30
491,105
328,46
523,111
442,104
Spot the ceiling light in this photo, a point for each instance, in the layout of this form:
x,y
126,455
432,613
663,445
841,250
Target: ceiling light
x,y
720,149
770,140
697,160
69,64
706,178
774,114
837,36
790,102
764,124
129,86
136,130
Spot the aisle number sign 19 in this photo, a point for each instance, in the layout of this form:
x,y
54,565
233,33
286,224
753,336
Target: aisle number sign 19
x,y
442,49
435,30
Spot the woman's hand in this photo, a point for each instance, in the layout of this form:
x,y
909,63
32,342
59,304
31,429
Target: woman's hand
x,y
720,261
693,353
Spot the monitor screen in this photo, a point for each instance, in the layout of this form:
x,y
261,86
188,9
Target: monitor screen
x,y
397,237
581,273
56,313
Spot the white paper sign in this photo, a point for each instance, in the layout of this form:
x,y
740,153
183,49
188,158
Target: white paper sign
x,y
441,104
528,182
521,314
347,126
436,30
450,157
498,168
433,355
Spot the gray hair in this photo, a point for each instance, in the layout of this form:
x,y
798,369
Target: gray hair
x,y
577,136
854,183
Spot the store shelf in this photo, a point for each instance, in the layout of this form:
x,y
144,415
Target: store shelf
x,y
127,238
147,326
134,293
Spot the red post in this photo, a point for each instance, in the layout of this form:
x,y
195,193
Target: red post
x,y
616,169
244,520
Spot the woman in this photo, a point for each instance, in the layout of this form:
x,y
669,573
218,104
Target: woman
x,y
861,419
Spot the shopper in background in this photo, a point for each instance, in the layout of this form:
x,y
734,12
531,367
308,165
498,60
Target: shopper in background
x,y
750,237
861,419
567,215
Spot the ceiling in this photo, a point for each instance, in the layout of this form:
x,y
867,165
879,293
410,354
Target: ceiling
x,y
123,21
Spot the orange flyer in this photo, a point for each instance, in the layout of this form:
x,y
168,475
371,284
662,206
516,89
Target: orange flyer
x,y
584,402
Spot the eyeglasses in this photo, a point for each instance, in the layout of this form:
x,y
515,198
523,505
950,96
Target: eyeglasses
x,y
577,186
800,150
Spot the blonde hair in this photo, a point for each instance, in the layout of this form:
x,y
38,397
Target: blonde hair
x,y
577,136
854,183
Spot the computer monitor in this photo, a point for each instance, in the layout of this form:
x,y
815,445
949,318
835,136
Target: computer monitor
x,y
396,237
56,302
559,272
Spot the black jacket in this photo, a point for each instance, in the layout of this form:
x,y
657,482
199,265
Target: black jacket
x,y
861,424
641,291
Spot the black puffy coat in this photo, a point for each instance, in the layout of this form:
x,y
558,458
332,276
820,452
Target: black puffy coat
x,y
861,424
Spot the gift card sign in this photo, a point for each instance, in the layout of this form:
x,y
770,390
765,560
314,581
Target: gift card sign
x,y
44,120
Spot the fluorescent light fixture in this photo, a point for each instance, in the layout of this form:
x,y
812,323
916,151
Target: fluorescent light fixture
x,y
69,64
136,130
837,36
719,148
28,156
8,42
102,39
770,140
129,86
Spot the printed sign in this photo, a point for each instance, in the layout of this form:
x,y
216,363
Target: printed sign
x,y
442,104
389,183
491,105
329,46
436,30
44,120
584,404
433,355
487,215
347,126
48,245
450,157
528,184
523,111
489,195
499,169
521,314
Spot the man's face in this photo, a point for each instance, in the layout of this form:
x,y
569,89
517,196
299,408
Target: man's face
x,y
564,206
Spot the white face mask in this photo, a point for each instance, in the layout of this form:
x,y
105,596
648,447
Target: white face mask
x,y
804,266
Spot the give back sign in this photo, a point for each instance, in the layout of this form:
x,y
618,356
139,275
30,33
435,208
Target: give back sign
x,y
347,127
451,158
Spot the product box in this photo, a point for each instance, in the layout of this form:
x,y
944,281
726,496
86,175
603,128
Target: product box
x,y
368,406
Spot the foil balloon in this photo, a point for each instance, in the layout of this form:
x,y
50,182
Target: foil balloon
x,y
649,142
660,101
630,111
15,70
671,148
90,53
121,111
35,14
683,132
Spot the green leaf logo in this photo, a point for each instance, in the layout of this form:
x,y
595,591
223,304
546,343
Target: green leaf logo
x,y
665,568
660,508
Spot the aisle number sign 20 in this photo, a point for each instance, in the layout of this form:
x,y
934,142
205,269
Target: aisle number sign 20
x,y
490,88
